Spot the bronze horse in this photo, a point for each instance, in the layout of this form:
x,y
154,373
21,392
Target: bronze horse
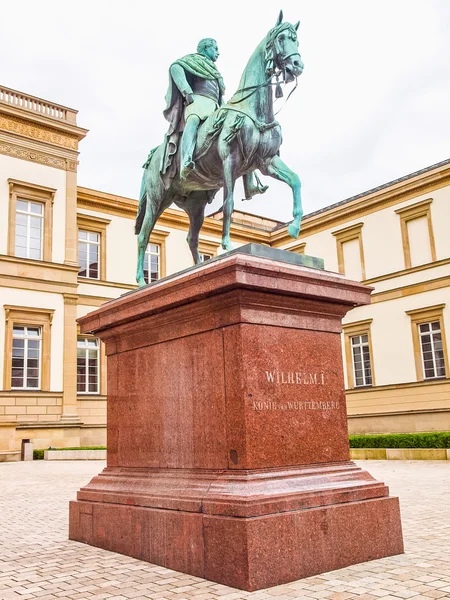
x,y
238,138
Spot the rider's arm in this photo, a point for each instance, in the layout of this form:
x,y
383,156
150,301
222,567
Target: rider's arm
x,y
179,78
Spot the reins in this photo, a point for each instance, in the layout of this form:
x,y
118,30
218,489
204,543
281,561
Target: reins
x,y
254,88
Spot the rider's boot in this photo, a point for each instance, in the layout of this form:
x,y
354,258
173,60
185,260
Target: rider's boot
x,y
188,140
253,186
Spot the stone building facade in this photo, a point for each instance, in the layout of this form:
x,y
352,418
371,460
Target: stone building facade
x,y
65,250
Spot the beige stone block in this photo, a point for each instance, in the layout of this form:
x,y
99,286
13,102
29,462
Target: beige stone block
x,y
416,454
448,453
46,401
53,410
48,417
2,410
368,453
7,400
75,455
26,401
101,420
36,410
96,404
98,412
93,437
15,410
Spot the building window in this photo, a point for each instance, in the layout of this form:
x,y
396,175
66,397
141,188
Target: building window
x,y
88,254
29,229
417,233
430,348
26,358
27,348
92,246
350,252
358,354
207,249
30,220
298,248
152,263
362,370
88,365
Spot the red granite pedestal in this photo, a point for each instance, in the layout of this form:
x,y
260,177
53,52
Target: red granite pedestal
x,y
228,452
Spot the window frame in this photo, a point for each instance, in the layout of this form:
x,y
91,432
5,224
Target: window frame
x,y
348,234
410,213
89,243
29,317
351,330
99,365
149,254
159,237
22,190
208,247
419,316
26,339
97,225
298,248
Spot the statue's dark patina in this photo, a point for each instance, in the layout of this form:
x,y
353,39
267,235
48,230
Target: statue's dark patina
x,y
230,140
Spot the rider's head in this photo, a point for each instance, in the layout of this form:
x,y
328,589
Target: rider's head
x,y
208,47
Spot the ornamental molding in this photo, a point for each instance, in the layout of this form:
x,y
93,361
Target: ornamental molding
x,y
38,157
38,132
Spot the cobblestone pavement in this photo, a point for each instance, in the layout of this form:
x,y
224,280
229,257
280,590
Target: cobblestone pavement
x,y
38,561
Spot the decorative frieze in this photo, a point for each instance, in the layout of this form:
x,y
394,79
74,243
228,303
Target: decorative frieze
x,y
38,132
39,157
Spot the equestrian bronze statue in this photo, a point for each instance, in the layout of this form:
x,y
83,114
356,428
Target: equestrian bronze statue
x,y
210,144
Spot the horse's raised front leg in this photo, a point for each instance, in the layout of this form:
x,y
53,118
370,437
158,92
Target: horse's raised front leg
x,y
229,179
279,170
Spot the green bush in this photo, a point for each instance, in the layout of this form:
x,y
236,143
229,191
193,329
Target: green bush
x,y
438,439
39,454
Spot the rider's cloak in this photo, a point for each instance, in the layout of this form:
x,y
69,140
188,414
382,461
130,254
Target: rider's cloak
x,y
199,66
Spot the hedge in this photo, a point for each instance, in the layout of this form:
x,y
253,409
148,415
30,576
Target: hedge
x,y
39,454
439,439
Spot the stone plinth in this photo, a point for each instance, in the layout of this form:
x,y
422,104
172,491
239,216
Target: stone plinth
x,y
228,453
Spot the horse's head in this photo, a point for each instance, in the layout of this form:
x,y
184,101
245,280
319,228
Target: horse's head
x,y
282,50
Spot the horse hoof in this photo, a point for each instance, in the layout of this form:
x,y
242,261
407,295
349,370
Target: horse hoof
x,y
227,245
293,230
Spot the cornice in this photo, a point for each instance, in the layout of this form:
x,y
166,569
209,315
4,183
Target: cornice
x,y
41,120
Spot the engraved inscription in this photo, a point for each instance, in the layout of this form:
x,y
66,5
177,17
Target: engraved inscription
x,y
270,405
295,377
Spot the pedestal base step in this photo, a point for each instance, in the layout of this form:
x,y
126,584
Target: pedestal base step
x,y
245,553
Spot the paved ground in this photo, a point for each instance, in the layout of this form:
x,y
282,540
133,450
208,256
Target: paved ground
x,y
37,560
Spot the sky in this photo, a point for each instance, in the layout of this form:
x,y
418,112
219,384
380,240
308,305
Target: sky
x,y
372,105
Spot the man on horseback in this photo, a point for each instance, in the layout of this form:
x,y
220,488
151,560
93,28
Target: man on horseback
x,y
196,90
235,139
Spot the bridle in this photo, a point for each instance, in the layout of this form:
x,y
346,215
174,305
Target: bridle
x,y
271,52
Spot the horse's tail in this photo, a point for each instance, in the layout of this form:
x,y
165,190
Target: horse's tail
x,y
143,195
